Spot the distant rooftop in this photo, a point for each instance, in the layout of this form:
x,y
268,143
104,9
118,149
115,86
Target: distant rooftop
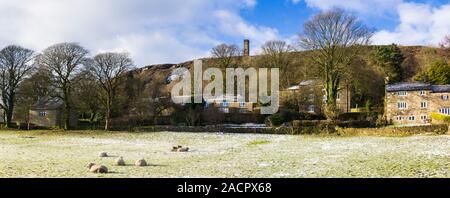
x,y
417,86
440,88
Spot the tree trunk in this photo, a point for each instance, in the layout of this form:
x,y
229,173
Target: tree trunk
x,y
91,120
10,111
331,94
9,115
108,114
67,117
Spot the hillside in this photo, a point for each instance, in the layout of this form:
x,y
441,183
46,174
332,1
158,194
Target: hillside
x,y
368,82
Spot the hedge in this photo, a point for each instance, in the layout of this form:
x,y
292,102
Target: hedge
x,y
324,128
440,117
395,131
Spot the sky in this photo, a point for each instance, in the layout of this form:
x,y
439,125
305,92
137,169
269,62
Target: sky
x,y
173,31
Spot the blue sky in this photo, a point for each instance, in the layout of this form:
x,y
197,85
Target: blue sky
x,y
172,31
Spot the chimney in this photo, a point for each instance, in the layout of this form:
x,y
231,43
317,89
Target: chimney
x,y
246,48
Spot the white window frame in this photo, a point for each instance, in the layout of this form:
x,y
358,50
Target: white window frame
x,y
311,109
424,117
444,111
411,118
424,105
402,93
402,105
422,93
444,97
42,113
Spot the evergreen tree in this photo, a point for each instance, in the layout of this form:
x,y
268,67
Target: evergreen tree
x,y
390,59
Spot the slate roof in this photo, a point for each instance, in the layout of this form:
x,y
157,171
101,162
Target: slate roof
x,y
408,86
440,88
417,86
47,103
308,82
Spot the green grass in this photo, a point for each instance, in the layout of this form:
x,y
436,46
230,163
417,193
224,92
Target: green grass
x,y
258,142
57,154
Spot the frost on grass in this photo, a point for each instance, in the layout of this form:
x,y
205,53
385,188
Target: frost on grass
x,y
224,155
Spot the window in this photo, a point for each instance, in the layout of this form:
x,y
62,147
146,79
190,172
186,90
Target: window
x,y
338,96
422,93
445,111
411,118
311,108
402,105
424,105
225,104
444,97
402,93
225,110
242,104
42,113
399,118
424,117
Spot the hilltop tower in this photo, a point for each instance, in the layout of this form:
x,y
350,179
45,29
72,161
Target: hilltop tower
x,y
246,48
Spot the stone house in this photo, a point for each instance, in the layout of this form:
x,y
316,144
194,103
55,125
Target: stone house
x,y
310,96
49,112
413,103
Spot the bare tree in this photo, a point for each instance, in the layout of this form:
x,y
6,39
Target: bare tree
x,y
86,95
445,44
225,54
277,54
110,70
63,62
14,67
336,37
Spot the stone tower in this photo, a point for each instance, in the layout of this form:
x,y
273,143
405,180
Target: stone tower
x,y
246,48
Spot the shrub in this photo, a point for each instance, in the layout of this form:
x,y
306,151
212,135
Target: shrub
x,y
393,131
440,117
275,120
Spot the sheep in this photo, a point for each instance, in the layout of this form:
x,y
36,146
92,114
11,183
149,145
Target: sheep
x,y
98,169
141,162
120,162
103,154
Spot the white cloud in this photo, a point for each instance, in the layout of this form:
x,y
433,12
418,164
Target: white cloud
x,y
232,24
371,7
156,31
420,24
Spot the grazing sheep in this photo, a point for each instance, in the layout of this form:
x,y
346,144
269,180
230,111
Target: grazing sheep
x,y
175,148
184,149
180,149
141,162
103,154
120,162
98,169
88,166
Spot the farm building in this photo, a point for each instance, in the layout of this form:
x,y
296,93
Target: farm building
x,y
49,112
413,103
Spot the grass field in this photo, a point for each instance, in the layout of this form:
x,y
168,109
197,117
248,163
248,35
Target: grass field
x,y
65,154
